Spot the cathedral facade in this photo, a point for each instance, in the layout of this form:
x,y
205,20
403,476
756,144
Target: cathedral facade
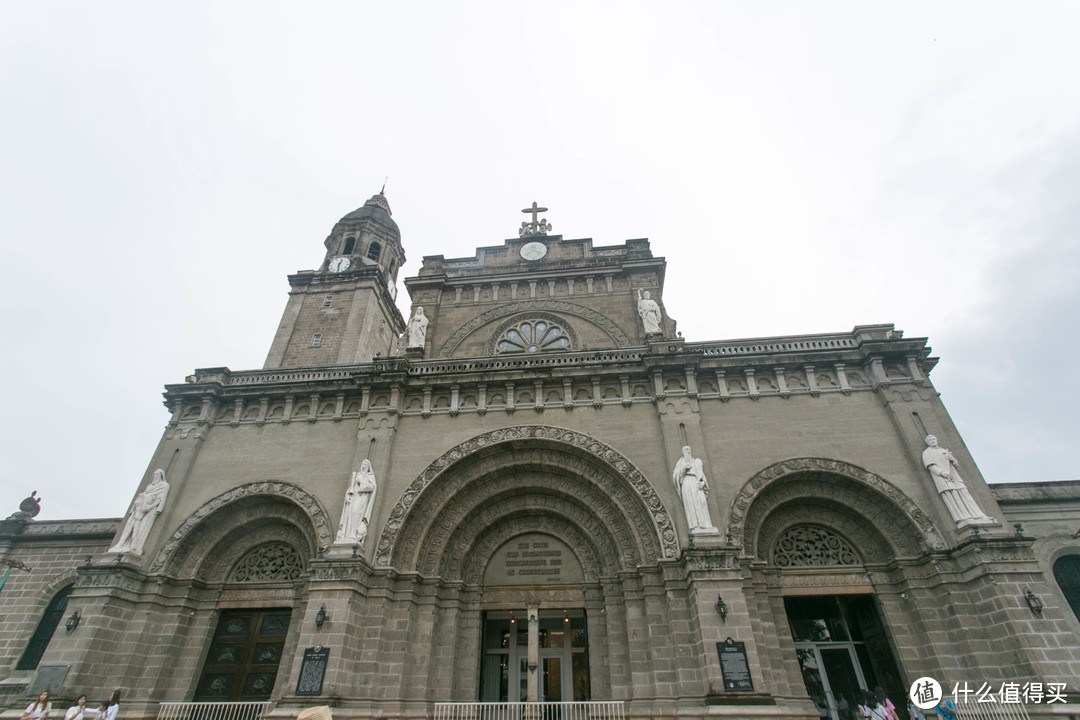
x,y
533,488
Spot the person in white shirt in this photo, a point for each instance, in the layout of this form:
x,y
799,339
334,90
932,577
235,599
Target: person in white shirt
x,y
79,711
109,709
39,709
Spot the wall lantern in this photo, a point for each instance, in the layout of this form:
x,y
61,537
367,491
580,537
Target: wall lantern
x,y
1033,602
321,617
721,608
73,621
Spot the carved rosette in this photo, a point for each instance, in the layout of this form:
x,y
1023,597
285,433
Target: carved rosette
x,y
884,495
534,306
661,528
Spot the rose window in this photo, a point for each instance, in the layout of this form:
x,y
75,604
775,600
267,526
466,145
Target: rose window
x,y
533,336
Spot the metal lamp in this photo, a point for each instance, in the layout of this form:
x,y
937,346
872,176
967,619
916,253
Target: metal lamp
x,y
1033,602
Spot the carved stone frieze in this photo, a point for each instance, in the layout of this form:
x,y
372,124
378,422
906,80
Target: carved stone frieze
x,y
710,560
818,580
118,579
994,551
72,527
625,500
893,513
533,306
313,514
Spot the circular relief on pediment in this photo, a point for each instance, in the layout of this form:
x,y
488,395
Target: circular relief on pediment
x,y
533,559
532,333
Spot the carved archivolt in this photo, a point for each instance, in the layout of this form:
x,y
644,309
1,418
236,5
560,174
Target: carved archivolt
x,y
885,518
251,508
556,473
534,307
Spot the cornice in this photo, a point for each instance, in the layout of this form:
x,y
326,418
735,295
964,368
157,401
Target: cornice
x,y
864,348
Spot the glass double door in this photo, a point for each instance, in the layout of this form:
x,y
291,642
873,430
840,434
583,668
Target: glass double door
x,y
561,652
833,678
554,676
843,651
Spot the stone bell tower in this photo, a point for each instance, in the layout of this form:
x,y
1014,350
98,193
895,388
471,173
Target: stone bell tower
x,y
343,313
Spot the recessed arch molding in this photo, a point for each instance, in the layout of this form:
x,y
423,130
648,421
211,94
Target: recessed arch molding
x,y
251,503
839,484
553,306
560,474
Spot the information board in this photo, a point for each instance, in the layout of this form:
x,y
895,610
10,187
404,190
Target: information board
x,y
312,670
734,666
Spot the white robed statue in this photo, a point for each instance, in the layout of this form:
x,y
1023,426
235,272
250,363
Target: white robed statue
x,y
418,328
649,312
147,506
689,477
943,468
359,498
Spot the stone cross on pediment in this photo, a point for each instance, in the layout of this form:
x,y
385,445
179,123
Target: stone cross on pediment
x,y
535,227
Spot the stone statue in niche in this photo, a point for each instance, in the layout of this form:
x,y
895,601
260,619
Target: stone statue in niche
x,y
359,498
943,468
147,506
649,312
418,328
689,477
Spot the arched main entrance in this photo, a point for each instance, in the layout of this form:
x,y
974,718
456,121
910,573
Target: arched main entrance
x,y
539,526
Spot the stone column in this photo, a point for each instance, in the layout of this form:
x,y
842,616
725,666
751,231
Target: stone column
x,y
532,688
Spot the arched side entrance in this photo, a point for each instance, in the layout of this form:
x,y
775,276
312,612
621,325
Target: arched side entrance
x,y
247,552
537,529
822,539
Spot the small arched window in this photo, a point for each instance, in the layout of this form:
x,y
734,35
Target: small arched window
x,y
350,243
39,641
373,251
1067,574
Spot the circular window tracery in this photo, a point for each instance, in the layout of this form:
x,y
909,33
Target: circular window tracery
x,y
531,336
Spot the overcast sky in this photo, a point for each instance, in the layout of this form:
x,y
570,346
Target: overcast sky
x,y
804,167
